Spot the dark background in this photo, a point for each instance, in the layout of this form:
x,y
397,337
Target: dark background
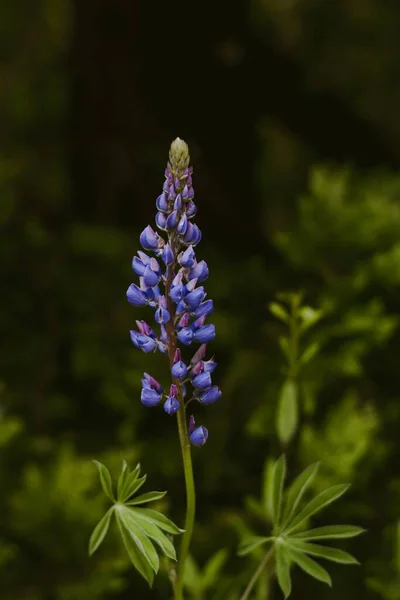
x,y
290,109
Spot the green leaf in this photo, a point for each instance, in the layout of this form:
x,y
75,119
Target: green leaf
x,y
213,568
279,311
192,579
283,571
284,344
287,413
250,543
330,532
153,532
317,504
105,479
309,353
267,487
100,532
122,478
138,535
297,491
158,519
308,565
309,316
137,558
333,554
148,497
278,479
131,484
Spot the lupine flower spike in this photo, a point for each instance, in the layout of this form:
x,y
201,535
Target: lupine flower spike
x,y
170,282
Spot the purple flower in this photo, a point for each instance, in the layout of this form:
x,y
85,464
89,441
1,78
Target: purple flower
x,y
202,381
153,383
149,397
205,334
185,336
171,405
205,308
191,209
149,239
199,436
187,259
199,271
161,221
136,296
193,299
167,254
182,225
172,220
177,278
162,202
143,342
210,395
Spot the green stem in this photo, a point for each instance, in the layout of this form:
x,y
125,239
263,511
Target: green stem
x,y
184,442
190,500
257,574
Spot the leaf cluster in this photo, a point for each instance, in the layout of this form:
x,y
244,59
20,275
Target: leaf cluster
x,y
140,528
292,544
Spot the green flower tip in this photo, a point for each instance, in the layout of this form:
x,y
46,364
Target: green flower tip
x,y
179,154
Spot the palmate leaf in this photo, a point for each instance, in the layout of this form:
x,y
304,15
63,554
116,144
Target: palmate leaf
x,y
140,528
290,545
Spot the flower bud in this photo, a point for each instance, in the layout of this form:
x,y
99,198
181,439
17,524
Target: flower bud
x,y
199,436
162,202
167,255
182,225
179,370
149,239
187,258
179,155
171,405
172,220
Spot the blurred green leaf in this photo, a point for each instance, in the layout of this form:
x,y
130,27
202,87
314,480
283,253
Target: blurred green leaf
x,y
287,411
100,531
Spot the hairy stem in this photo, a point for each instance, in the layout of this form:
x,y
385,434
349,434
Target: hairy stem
x,y
185,446
257,574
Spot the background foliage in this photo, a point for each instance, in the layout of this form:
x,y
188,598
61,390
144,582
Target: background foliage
x,y
290,110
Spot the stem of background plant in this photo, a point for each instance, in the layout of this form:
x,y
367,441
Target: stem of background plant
x,y
293,340
263,564
185,446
